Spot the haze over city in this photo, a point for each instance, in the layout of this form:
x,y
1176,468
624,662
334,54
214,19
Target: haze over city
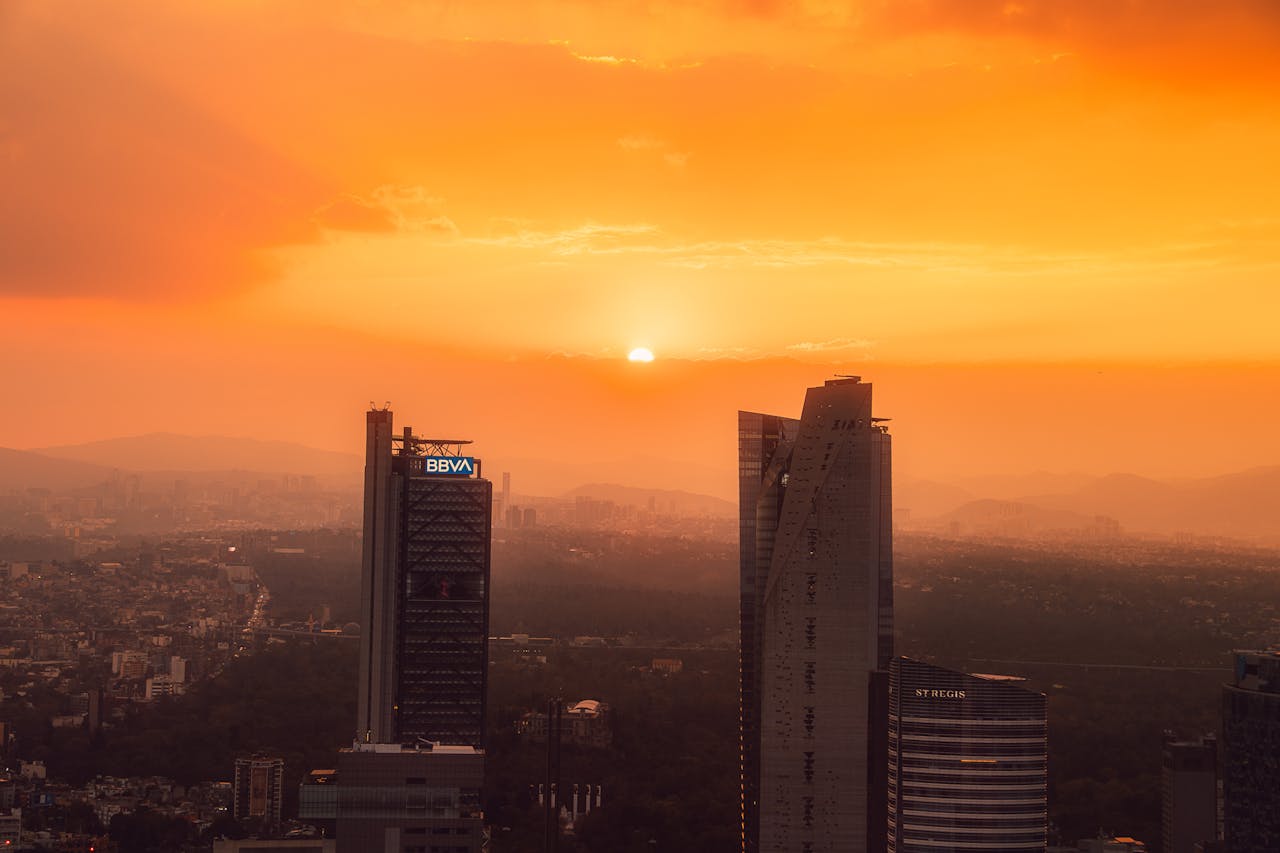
x,y
446,427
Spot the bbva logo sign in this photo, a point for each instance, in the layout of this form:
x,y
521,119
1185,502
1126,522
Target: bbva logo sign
x,y
465,465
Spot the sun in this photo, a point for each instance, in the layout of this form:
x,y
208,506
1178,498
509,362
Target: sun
x,y
640,354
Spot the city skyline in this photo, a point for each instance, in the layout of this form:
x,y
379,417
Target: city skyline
x,y
605,240
831,708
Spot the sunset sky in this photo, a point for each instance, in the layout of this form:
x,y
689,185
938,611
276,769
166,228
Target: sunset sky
x,y
1047,230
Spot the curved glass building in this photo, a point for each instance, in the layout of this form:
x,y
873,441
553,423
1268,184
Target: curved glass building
x,y
968,758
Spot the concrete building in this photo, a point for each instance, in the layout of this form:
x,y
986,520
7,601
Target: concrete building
x,y
163,685
1189,792
10,827
584,723
386,797
667,666
521,647
1251,753
129,664
275,845
258,788
968,762
816,623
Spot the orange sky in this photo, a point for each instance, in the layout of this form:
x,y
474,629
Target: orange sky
x,y
1049,231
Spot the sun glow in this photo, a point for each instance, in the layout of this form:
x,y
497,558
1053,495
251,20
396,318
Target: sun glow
x,y
640,354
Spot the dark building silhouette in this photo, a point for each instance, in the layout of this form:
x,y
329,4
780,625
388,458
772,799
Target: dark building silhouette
x,y
411,781
395,799
968,762
1189,792
424,591
1251,753
816,623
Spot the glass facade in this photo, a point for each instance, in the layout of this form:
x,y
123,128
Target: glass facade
x,y
759,440
816,607
424,591
443,612
968,762
1251,753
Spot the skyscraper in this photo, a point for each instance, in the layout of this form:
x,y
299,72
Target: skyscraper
x,y
1251,753
816,623
506,494
424,593
412,777
968,762
1188,792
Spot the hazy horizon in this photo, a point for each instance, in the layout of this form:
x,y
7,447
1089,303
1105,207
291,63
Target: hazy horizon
x,y
949,422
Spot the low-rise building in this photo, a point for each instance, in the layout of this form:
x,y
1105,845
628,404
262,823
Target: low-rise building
x,y
259,788
391,797
10,827
585,723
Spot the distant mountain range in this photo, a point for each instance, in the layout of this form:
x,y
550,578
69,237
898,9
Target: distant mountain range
x,y
22,469
555,477
664,500
164,451
1242,505
161,458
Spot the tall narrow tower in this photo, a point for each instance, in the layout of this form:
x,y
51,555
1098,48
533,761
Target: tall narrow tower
x,y
424,590
416,765
816,621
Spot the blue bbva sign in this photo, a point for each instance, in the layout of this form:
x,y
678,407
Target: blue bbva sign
x,y
463,465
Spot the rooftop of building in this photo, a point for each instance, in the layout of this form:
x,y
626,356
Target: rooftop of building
x,y
1257,670
411,748
587,708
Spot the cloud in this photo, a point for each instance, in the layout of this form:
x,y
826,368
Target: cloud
x,y
644,142
1164,36
138,163
607,60
413,209
352,213
645,241
590,238
737,353
833,345
114,186
390,209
